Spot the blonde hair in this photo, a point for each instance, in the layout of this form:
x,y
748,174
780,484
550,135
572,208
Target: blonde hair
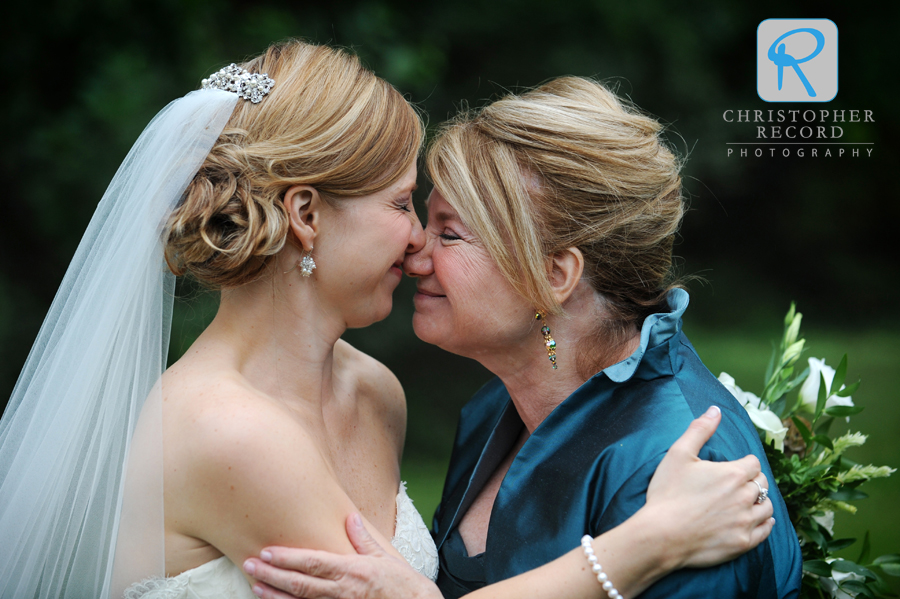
x,y
567,164
329,123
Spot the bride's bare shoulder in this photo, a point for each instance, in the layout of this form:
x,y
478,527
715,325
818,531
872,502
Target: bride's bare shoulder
x,y
239,465
373,383
195,390
206,406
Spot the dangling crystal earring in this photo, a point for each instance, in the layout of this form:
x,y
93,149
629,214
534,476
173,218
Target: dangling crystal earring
x,y
307,264
548,340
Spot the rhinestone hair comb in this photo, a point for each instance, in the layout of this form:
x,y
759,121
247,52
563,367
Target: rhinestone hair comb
x,y
249,86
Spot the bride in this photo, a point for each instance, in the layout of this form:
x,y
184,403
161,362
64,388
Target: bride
x,y
287,183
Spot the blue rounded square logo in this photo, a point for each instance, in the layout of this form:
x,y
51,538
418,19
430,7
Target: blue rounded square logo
x,y
797,60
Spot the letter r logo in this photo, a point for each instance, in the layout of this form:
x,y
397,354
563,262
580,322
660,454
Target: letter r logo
x,y
796,60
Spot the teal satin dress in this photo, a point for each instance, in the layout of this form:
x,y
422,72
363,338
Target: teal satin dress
x,y
586,469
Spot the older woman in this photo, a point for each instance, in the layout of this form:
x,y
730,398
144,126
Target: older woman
x,y
547,259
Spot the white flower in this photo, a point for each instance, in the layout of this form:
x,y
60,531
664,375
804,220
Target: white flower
x,y
762,417
767,421
826,521
830,585
743,397
809,391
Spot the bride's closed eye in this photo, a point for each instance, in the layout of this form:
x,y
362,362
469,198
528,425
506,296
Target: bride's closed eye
x,y
449,236
405,204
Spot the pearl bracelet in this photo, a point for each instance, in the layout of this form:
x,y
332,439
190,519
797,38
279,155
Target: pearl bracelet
x,y
602,578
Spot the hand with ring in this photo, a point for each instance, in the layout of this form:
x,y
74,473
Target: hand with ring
x,y
709,511
763,491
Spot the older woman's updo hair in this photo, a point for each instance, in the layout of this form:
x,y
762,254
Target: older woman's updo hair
x,y
567,164
329,122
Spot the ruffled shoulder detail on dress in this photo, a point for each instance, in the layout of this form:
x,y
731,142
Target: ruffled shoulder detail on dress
x,y
413,539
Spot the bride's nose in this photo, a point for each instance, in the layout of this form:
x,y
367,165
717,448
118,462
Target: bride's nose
x,y
416,236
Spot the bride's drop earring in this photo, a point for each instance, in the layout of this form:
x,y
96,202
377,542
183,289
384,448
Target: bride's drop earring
x,y
306,264
548,340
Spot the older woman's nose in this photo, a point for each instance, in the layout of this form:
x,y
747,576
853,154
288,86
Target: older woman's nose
x,y
418,263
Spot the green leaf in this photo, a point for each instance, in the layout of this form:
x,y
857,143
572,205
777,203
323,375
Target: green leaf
x,y
777,406
817,537
847,463
888,558
891,569
848,390
840,375
796,382
824,440
864,554
847,495
854,586
804,432
823,395
821,427
839,544
881,588
815,470
845,565
818,567
842,411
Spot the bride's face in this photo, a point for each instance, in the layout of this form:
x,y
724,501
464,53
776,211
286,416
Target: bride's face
x,y
464,304
360,257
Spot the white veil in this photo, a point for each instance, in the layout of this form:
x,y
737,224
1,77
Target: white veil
x,y
66,435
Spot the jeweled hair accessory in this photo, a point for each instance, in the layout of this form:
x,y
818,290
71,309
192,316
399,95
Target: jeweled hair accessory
x,y
247,85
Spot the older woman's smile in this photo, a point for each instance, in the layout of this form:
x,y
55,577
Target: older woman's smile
x,y
427,293
424,297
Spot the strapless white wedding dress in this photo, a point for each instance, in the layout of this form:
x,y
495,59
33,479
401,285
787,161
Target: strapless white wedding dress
x,y
221,579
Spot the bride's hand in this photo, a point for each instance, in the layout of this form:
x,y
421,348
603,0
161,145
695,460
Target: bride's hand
x,y
310,574
707,511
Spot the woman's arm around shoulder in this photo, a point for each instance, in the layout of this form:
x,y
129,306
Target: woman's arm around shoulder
x,y
698,513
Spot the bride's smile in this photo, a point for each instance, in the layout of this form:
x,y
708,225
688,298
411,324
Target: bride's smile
x,y
359,242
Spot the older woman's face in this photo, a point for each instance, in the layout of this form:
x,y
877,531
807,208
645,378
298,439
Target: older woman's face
x,y
464,303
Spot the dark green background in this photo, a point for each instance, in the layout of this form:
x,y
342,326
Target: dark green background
x,y
83,78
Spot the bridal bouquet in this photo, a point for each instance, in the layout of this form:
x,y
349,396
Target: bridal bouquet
x,y
812,472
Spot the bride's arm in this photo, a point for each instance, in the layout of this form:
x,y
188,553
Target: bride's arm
x,y
697,514
242,473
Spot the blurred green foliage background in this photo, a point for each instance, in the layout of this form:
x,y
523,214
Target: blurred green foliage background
x,y
83,78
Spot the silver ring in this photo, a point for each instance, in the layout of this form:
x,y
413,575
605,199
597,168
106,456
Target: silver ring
x,y
763,493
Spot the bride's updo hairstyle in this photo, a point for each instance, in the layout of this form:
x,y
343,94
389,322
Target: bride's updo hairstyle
x,y
328,122
568,164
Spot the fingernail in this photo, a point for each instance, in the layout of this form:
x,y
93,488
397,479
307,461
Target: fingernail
x,y
357,521
249,567
773,521
712,412
257,590
265,555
